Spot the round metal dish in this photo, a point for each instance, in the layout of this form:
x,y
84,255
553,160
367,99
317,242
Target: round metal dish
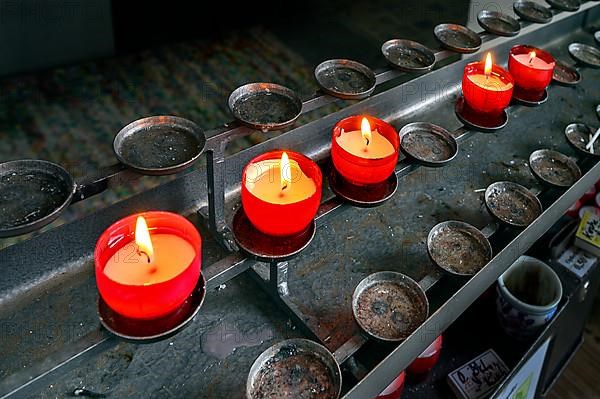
x,y
598,111
457,38
587,55
345,79
597,36
33,193
265,106
532,11
458,248
148,331
565,75
579,135
408,55
362,196
389,306
565,5
428,144
479,121
294,367
554,168
268,248
512,203
159,145
524,98
498,23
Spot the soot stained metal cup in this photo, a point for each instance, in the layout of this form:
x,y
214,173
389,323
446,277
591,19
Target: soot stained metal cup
x,y
294,368
389,306
512,204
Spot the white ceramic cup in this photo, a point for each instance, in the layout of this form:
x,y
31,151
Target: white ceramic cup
x,y
528,296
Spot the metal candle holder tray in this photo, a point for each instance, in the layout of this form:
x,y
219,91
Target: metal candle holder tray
x,y
313,289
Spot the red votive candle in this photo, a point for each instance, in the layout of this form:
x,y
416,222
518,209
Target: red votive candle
x,y
394,390
487,88
148,264
281,192
531,69
426,360
364,149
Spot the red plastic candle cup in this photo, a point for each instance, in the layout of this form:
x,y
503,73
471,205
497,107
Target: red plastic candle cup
x,y
281,192
427,360
531,69
487,88
573,211
143,283
360,163
394,390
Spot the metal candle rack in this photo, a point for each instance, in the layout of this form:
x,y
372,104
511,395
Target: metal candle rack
x,y
270,272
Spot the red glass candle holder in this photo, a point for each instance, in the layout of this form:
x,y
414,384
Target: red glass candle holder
x,y
394,390
283,219
364,171
154,300
530,79
482,99
426,360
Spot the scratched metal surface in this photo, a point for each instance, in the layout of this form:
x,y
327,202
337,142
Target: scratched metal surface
x,y
346,249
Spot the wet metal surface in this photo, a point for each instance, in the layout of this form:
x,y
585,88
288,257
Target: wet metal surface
x,y
532,11
294,369
586,54
458,248
428,144
457,38
159,145
265,106
389,305
408,55
32,194
146,331
498,23
554,168
345,79
565,75
512,203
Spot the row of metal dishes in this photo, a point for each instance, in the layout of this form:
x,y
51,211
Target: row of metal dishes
x,y
268,106
389,306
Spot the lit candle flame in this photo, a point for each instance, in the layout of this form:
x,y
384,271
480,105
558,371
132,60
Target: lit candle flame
x,y
532,56
286,171
365,128
487,70
142,238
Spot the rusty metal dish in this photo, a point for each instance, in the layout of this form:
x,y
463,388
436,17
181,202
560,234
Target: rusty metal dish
x,y
159,145
565,75
389,306
428,144
498,23
345,79
458,248
585,54
578,135
294,369
33,193
565,5
512,204
532,11
457,38
265,106
554,168
408,55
